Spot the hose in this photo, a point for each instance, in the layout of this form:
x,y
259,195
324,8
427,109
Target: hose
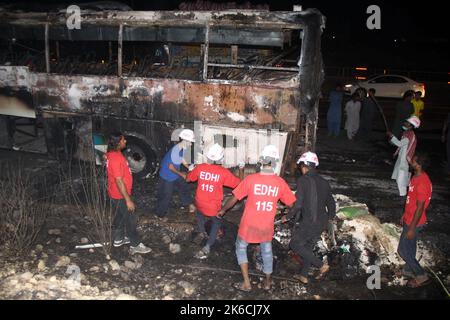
x,y
435,275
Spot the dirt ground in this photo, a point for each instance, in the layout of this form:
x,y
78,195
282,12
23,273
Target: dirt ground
x,y
358,170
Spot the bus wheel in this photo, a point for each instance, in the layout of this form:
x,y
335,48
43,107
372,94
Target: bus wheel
x,y
141,158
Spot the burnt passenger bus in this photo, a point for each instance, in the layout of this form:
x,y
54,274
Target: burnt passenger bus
x,y
242,75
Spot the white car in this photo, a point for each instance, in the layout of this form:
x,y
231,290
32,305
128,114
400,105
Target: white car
x,y
387,86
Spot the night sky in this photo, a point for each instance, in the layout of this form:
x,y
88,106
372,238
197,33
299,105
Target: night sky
x,y
412,36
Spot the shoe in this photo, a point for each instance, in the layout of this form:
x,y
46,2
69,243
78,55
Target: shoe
x,y
118,243
202,254
140,248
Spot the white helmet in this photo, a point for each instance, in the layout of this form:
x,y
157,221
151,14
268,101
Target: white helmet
x,y
414,121
187,134
215,152
310,157
270,151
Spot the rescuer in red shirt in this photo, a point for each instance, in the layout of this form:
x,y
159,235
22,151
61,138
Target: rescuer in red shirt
x,y
263,190
211,178
120,183
414,219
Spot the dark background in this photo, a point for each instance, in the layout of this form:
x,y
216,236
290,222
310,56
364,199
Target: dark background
x,y
413,36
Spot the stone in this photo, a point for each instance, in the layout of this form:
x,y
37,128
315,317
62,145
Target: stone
x,y
73,255
26,276
91,250
130,265
189,289
58,240
54,232
114,265
41,265
174,248
84,240
168,297
166,239
63,261
94,269
73,228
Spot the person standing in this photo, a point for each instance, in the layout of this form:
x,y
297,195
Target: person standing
x,y
334,114
263,191
405,151
171,177
414,219
314,208
446,131
352,109
211,177
368,110
418,104
120,184
403,110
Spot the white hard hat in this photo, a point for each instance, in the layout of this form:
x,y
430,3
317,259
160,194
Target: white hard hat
x,y
414,121
187,134
310,157
215,152
270,151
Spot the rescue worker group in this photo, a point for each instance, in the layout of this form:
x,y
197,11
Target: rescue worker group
x,y
311,206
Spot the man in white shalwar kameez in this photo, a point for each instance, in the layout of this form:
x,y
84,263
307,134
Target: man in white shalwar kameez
x,y
352,109
405,152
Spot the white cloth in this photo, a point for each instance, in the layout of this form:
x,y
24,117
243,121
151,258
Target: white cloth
x,y
352,109
401,172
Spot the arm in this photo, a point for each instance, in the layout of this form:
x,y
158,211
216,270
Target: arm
x,y
399,143
174,170
228,205
331,206
123,191
298,203
417,215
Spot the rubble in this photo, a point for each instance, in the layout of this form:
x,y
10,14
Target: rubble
x,y
54,232
114,265
62,262
174,248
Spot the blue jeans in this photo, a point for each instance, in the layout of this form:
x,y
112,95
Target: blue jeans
x,y
266,253
165,192
407,250
201,220
334,127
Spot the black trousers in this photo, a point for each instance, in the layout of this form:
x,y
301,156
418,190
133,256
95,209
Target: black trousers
x,y
125,223
304,238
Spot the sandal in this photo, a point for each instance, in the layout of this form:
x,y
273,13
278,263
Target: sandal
x,y
323,271
414,284
300,278
240,286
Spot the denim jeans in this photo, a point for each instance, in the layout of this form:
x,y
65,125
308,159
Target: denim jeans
x,y
407,250
266,253
216,222
165,192
125,223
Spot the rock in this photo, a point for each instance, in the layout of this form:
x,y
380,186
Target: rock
x,y
39,247
63,261
166,239
125,276
189,289
174,248
84,240
114,265
138,260
94,269
41,265
168,297
91,250
54,232
73,228
26,276
58,240
130,265
73,255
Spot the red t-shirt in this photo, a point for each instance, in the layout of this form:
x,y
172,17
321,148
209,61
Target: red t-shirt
x,y
420,189
117,166
211,180
263,192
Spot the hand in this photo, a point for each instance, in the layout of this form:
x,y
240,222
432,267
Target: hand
x,y
410,234
389,134
220,214
183,175
130,205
